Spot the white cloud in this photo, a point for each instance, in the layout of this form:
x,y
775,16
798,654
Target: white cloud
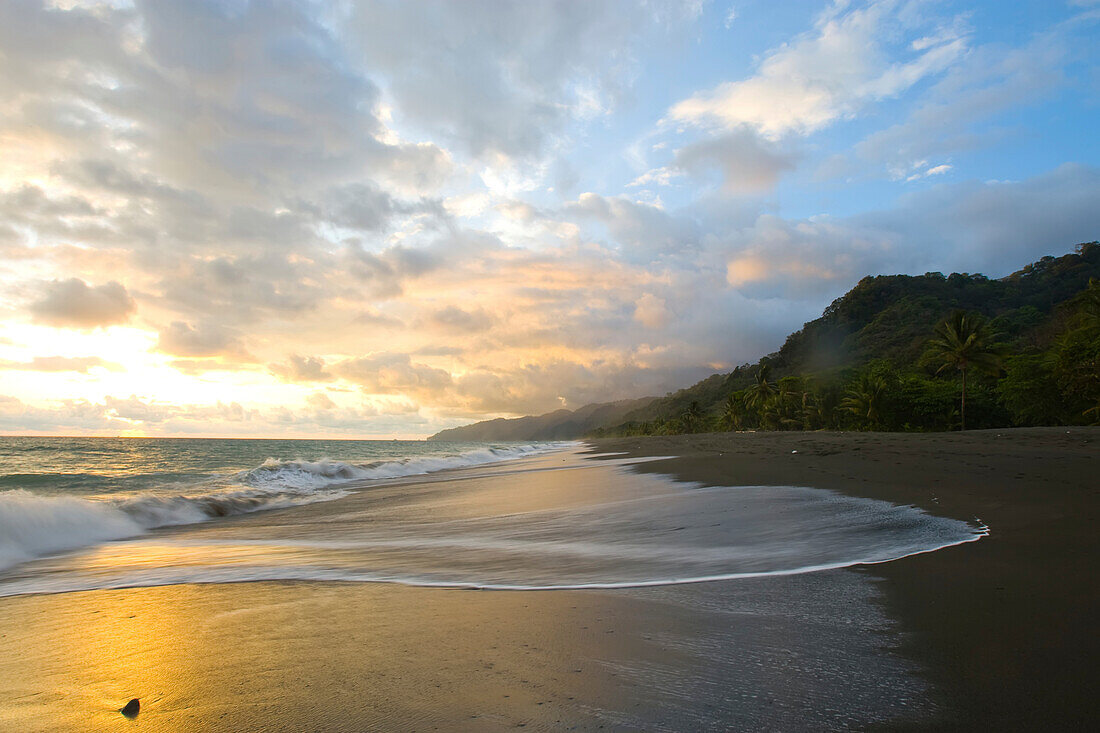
x,y
937,170
827,74
507,78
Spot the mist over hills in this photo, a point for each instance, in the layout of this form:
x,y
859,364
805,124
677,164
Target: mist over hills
x,y
882,325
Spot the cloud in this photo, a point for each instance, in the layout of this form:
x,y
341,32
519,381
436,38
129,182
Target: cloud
x,y
747,162
205,339
970,226
302,369
453,318
391,373
320,401
132,408
195,367
992,227
953,116
649,310
377,320
241,289
73,303
506,78
81,364
824,75
643,231
924,171
255,96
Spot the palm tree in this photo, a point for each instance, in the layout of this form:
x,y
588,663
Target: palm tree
x,y
865,398
760,394
964,342
692,416
733,416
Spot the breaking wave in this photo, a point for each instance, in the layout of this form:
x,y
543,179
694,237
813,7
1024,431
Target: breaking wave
x,y
32,525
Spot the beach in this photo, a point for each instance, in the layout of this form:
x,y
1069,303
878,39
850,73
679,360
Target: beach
x,y
1004,628
989,631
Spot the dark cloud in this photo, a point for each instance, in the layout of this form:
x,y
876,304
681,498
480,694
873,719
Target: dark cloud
x,y
73,303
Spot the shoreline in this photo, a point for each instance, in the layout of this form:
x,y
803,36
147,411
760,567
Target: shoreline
x,y
1004,627
771,652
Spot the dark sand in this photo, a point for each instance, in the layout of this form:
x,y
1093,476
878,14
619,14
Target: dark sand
x,y
1006,628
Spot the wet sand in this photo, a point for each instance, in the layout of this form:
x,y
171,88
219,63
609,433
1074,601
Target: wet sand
x,y
1005,628
792,653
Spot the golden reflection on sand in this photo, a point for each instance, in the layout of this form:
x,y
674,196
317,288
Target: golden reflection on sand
x,y
302,656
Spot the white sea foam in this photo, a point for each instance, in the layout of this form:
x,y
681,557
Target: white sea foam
x,y
299,474
32,525
68,583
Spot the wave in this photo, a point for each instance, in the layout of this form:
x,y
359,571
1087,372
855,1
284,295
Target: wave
x,y
32,525
258,573
301,474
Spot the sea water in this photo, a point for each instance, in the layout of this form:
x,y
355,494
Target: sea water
x,y
81,514
64,493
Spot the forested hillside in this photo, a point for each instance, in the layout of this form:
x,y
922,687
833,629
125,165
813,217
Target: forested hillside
x,y
1038,317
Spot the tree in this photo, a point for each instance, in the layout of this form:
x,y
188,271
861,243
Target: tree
x,y
692,417
733,414
760,394
1077,354
963,342
1030,392
865,400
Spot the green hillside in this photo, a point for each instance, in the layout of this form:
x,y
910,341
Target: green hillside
x,y
881,327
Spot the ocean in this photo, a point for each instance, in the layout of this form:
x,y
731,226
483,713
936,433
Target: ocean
x,y
92,513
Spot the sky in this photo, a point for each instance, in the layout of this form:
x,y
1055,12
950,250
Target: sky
x,y
382,219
